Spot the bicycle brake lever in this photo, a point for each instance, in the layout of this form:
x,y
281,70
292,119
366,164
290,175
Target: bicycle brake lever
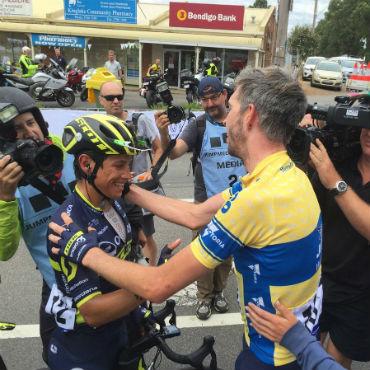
x,y
167,310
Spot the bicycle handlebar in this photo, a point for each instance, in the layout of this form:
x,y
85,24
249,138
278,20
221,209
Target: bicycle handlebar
x,y
195,358
157,338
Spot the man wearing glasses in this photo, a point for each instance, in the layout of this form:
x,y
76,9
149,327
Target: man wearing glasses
x,y
111,98
206,137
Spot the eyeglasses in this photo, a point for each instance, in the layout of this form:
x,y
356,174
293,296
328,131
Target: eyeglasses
x,y
112,97
212,98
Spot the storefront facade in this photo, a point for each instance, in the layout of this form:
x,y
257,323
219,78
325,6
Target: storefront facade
x,y
161,31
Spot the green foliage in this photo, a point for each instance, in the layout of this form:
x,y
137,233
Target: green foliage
x,y
192,106
345,29
259,4
304,41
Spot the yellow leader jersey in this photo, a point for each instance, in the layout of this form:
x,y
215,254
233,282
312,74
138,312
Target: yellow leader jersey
x,y
271,224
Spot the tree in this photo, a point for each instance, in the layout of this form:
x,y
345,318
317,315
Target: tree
x,y
345,29
259,4
303,41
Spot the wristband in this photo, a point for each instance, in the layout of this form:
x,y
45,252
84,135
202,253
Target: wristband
x,y
126,189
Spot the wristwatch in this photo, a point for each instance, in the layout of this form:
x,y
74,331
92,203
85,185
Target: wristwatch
x,y
340,188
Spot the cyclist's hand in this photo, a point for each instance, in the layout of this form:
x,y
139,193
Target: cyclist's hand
x,y
72,242
166,252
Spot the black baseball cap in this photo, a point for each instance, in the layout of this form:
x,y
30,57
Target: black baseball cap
x,y
211,84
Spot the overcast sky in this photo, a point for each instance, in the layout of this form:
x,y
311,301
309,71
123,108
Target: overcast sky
x,y
302,13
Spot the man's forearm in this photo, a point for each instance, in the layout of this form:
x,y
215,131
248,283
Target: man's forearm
x,y
356,211
153,283
165,138
108,307
179,212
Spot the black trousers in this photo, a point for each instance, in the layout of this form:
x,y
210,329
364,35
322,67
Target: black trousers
x,y
47,322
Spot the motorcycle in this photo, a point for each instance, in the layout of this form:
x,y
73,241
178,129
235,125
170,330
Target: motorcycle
x,y
9,78
229,83
149,90
85,77
74,76
51,86
190,84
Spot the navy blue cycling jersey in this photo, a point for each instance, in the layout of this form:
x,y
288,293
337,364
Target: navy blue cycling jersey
x,y
77,284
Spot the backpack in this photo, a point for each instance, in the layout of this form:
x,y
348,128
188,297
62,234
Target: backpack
x,y
201,127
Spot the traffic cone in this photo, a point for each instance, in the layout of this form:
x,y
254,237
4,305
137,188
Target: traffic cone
x,y
355,69
362,69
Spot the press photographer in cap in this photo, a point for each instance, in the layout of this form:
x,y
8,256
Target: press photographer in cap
x,y
206,137
35,176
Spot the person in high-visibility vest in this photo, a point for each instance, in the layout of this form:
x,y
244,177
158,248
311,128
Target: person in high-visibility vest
x,y
155,68
27,64
211,66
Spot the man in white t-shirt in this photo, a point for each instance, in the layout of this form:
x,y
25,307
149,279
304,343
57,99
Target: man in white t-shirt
x,y
113,66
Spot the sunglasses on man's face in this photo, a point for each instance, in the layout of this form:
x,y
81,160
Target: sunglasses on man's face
x,y
112,97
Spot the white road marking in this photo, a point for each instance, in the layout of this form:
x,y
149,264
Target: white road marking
x,y
190,200
226,319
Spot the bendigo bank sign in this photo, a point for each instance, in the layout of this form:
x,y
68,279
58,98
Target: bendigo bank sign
x,y
221,17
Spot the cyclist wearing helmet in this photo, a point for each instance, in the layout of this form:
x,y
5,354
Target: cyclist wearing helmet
x,y
90,311
25,210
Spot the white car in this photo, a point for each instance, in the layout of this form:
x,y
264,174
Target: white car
x,y
347,64
309,65
327,73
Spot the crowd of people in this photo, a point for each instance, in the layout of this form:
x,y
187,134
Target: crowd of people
x,y
300,245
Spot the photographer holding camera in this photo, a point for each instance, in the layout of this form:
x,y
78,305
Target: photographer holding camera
x,y
344,196
206,136
25,210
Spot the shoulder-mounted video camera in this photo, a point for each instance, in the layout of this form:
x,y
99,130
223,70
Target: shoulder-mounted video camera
x,y
175,113
35,158
341,133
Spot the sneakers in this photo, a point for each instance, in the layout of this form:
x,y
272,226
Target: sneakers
x,y
203,311
220,303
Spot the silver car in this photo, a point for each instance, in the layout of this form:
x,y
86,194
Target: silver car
x,y
309,66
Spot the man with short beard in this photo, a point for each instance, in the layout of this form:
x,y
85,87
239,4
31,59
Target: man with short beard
x,y
206,136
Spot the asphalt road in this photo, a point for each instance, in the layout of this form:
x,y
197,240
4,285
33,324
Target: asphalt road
x,y
21,283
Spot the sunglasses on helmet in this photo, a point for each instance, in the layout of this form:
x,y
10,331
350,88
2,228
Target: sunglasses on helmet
x,y
112,97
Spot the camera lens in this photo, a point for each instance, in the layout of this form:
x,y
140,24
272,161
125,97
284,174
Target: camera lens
x,y
49,159
175,114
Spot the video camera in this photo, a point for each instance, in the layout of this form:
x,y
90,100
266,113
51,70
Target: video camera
x,y
175,113
35,158
340,135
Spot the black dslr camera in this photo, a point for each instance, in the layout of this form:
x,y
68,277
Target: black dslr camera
x,y
34,158
175,113
340,135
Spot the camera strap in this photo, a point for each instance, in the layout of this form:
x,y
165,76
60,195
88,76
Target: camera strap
x,y
47,190
162,159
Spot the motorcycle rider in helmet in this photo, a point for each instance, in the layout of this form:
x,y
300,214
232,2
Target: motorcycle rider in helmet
x,y
210,66
91,313
25,210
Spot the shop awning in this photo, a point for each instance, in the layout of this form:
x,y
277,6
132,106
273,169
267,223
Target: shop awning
x,y
150,36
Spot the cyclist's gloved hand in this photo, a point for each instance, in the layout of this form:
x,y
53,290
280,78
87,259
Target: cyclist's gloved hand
x,y
165,255
74,243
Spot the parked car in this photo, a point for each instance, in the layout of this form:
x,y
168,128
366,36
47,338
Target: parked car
x,y
327,73
347,64
309,65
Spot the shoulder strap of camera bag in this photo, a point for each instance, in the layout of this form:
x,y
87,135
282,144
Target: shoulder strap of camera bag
x,y
47,190
201,127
